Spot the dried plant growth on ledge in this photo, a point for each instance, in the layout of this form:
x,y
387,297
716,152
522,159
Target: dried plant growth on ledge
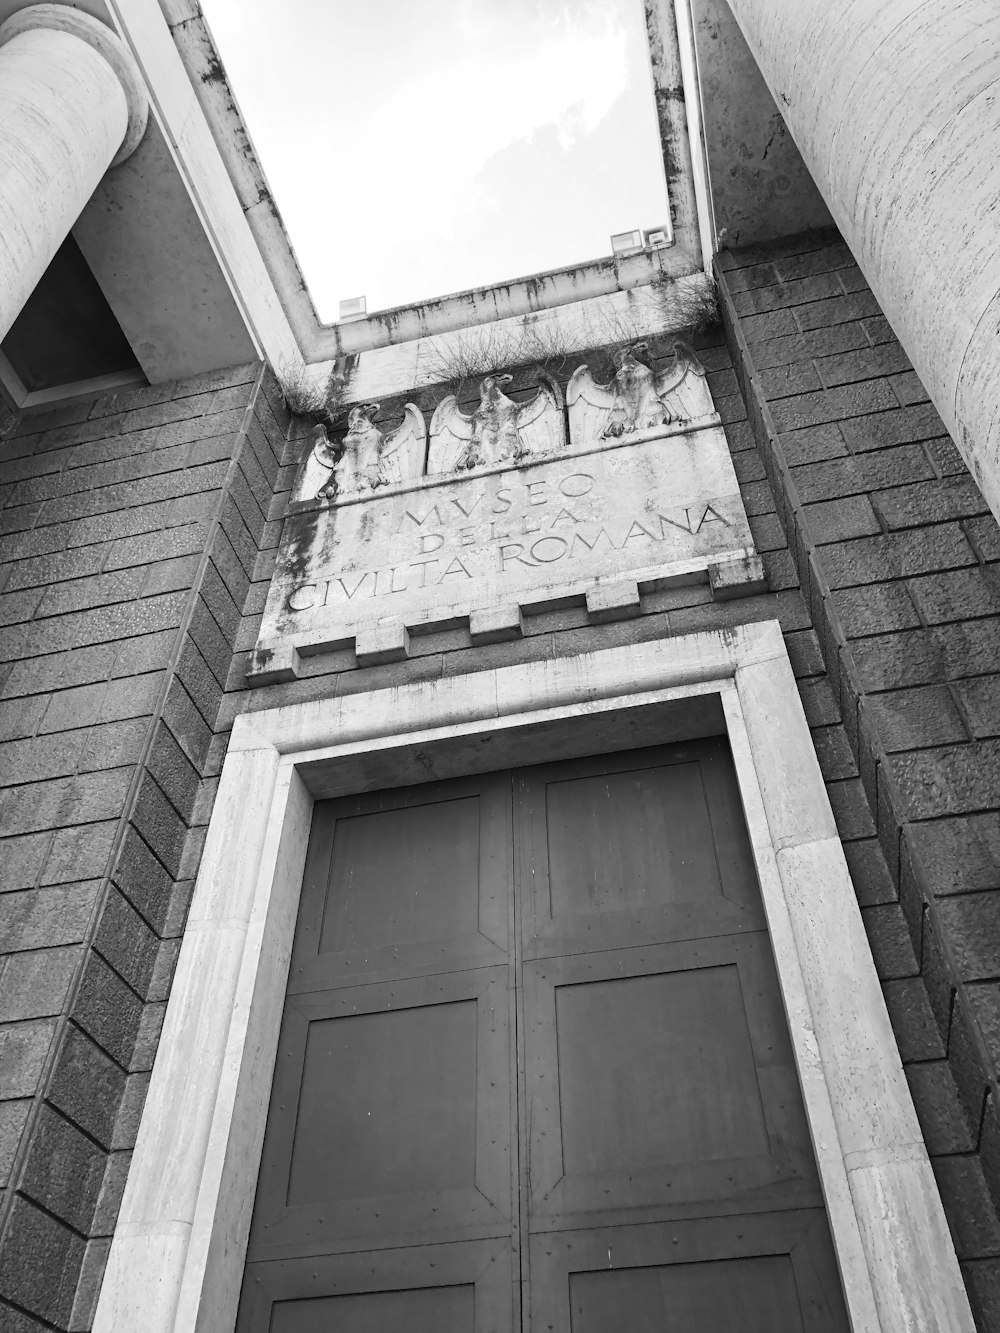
x,y
307,394
679,305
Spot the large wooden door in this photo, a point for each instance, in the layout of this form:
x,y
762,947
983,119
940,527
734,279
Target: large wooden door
x,y
534,1071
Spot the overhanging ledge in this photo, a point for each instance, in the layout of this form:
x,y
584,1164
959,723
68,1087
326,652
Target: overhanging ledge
x,y
176,1263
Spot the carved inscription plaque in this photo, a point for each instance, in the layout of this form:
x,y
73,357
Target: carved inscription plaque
x,y
436,552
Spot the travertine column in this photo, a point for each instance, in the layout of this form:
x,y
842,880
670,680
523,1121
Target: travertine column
x,y
72,104
895,107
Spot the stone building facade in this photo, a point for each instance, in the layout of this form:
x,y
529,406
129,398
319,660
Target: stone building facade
x,y
162,739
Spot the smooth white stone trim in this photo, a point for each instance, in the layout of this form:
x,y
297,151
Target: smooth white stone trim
x,y
176,1261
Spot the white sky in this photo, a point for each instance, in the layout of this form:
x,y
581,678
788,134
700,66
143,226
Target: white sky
x,y
420,147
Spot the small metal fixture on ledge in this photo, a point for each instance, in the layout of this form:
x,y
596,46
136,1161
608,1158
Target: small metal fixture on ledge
x,y
356,307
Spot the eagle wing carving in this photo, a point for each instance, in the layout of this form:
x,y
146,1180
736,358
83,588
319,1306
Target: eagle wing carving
x,y
318,478
682,387
401,457
452,438
540,425
591,406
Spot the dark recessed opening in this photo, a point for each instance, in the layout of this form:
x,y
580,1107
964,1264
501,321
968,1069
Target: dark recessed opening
x,y
66,331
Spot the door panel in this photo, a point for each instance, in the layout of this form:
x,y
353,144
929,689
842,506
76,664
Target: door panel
x,y
402,873
661,1079
401,1130
618,850
399,882
758,1274
400,1087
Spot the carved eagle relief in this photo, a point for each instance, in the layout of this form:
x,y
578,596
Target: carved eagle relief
x,y
366,458
499,431
637,398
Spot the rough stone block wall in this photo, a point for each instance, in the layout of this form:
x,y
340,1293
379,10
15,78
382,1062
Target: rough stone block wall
x,y
899,560
129,529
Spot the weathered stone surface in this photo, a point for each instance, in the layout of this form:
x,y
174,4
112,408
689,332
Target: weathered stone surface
x,y
431,554
494,623
613,601
385,641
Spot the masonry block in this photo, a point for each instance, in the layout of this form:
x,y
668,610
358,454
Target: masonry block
x,y
386,640
971,648
971,1212
736,576
822,342
896,661
936,973
890,940
836,759
859,475
969,1063
813,444
949,780
797,291
899,554
957,594
982,1279
836,310
841,519
618,600
23,1051
785,381
983,999
64,1171
130,1112
87,1085
941,1114
875,609
40,1263
850,809
972,922
36,984
493,624
174,772
47,917
107,1009
13,1117
980,701
160,825
913,1023
273,666
899,426
930,501
916,718
89,1285
866,363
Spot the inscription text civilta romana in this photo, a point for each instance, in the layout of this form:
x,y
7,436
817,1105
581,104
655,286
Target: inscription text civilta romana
x,y
502,530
